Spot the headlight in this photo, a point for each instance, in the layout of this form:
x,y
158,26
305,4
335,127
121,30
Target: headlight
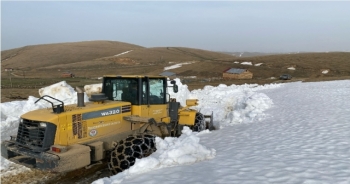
x,y
21,120
42,125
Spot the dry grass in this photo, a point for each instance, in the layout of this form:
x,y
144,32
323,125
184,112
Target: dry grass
x,y
42,65
38,56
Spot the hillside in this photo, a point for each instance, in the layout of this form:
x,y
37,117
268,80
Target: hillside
x,y
38,56
48,61
300,65
41,65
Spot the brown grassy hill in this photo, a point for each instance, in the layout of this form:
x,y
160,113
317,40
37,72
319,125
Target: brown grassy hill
x,y
307,65
37,56
96,58
93,59
172,54
146,56
42,65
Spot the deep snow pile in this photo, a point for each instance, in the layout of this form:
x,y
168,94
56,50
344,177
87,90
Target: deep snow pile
x,y
229,104
93,88
305,139
170,152
233,104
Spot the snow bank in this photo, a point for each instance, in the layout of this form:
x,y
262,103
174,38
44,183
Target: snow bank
x,y
229,104
93,88
61,91
11,111
233,104
170,152
182,94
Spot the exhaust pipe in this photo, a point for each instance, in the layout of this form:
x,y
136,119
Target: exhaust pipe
x,y
80,95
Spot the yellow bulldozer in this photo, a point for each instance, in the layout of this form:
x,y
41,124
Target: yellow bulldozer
x,y
117,126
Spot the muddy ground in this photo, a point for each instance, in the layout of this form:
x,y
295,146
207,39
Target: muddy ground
x,y
34,176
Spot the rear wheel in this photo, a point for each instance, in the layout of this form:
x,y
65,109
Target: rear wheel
x,y
199,123
125,153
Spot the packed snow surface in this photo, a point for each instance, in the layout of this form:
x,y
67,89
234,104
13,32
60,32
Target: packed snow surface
x,y
279,133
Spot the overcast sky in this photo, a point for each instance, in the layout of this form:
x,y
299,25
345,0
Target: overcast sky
x,y
218,26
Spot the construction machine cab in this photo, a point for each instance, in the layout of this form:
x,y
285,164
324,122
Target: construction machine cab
x,y
138,90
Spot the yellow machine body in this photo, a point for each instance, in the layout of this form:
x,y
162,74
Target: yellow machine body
x,y
68,137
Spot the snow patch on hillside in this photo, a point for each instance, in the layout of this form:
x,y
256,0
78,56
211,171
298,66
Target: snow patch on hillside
x,y
177,65
123,53
246,63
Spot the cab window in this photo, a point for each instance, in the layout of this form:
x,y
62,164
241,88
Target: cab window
x,y
124,89
156,91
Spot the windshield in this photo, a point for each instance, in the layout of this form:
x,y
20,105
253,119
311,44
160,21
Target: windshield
x,y
120,89
138,91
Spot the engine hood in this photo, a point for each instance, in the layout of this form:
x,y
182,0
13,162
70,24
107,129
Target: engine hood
x,y
47,114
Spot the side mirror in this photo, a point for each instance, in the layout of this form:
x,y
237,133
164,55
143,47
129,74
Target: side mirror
x,y
175,88
172,82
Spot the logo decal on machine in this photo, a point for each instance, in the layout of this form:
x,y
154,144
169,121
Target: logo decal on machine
x,y
103,125
93,132
101,113
158,111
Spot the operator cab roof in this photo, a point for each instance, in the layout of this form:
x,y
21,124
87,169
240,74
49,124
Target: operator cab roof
x,y
135,76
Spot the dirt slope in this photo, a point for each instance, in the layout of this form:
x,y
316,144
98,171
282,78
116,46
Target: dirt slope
x,y
37,56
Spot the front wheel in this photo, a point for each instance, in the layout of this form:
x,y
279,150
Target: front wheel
x,y
125,153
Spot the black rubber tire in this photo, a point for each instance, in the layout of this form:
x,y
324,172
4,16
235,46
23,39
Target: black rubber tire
x,y
125,153
199,123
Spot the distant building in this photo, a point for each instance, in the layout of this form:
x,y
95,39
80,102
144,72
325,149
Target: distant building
x,y
237,73
168,74
68,74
